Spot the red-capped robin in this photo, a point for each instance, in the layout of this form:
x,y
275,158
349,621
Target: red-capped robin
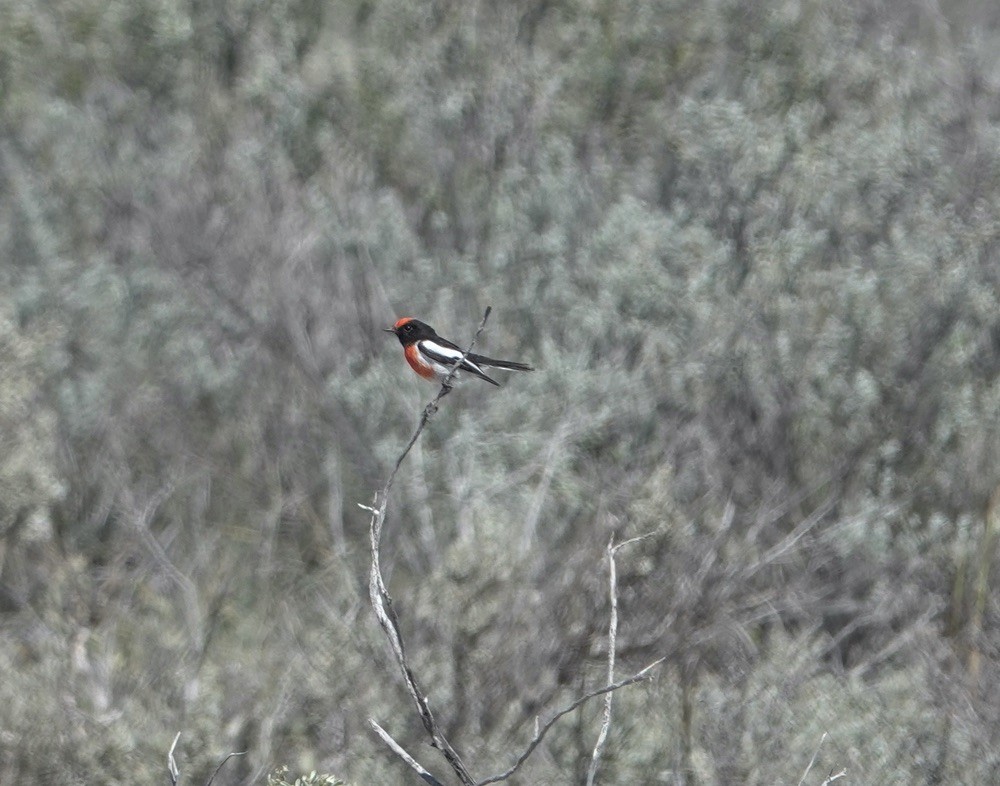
x,y
432,356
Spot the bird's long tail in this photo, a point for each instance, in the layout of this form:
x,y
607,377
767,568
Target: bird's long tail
x,y
482,360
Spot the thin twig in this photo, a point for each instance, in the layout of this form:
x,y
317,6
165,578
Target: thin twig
x,y
595,757
639,676
834,776
812,761
406,757
636,539
234,753
175,774
379,595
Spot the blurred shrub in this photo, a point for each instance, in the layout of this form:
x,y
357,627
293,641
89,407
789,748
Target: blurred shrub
x,y
751,248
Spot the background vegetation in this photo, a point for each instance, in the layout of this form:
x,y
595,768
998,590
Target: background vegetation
x,y
753,249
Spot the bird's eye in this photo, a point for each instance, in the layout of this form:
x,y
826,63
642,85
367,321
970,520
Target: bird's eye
x,y
408,328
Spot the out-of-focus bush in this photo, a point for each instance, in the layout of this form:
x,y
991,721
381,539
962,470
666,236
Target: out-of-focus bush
x,y
751,249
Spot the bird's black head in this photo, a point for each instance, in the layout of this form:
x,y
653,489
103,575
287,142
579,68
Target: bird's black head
x,y
408,330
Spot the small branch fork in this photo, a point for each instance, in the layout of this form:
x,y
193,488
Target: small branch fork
x,y
382,604
639,676
833,776
175,773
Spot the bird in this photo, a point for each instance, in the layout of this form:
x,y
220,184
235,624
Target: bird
x,y
432,357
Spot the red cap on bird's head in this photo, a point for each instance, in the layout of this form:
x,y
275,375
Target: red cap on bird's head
x,y
398,324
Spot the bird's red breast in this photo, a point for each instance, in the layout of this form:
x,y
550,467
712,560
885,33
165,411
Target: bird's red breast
x,y
416,362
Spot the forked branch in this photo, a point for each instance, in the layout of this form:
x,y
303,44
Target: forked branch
x,y
175,773
540,733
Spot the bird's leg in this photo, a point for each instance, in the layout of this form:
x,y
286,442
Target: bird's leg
x,y
431,408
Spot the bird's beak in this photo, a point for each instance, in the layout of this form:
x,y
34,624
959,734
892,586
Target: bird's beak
x,y
389,330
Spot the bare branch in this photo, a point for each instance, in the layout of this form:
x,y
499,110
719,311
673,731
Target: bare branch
x,y
602,736
234,753
834,776
406,757
175,774
636,539
381,600
595,757
540,733
812,761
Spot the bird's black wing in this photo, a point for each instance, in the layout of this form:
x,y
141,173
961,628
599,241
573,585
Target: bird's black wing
x,y
445,353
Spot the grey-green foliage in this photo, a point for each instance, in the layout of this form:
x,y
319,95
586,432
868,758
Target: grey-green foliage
x,y
29,478
751,248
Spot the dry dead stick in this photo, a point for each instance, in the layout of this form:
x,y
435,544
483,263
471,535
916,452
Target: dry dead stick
x,y
175,773
398,749
595,757
602,736
221,763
